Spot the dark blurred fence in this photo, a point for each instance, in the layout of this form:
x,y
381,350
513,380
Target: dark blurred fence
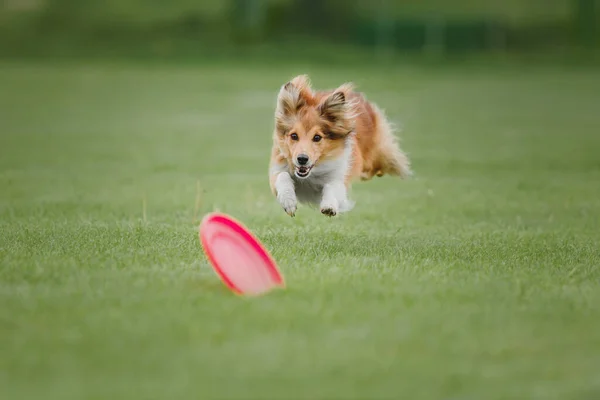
x,y
418,25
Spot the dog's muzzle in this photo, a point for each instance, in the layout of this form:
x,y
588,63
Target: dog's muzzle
x,y
303,171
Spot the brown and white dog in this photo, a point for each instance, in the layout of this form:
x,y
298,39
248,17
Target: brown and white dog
x,y
325,140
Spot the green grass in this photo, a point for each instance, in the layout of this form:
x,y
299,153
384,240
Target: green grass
x,y
477,279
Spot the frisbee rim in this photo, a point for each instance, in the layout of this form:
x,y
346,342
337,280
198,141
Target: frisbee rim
x,y
241,230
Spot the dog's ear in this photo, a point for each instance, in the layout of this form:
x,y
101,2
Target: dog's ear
x,y
302,83
338,111
333,108
291,98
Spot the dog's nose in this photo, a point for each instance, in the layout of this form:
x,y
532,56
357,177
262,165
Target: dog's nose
x,y
302,159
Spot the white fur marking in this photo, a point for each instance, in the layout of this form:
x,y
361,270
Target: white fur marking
x,y
286,195
325,185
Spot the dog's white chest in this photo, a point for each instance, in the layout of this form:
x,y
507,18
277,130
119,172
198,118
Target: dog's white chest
x,y
308,190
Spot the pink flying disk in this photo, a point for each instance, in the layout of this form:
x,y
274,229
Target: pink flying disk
x,y
240,260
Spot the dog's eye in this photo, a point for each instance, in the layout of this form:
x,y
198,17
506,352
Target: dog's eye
x,y
294,136
317,138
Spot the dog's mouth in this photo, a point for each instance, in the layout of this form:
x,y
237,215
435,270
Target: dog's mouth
x,y
303,171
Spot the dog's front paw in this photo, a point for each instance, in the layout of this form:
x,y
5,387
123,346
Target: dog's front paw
x,y
329,209
289,204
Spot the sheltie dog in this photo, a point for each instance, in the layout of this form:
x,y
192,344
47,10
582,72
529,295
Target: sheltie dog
x,y
325,140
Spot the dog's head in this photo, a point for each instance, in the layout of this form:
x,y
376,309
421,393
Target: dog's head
x,y
312,127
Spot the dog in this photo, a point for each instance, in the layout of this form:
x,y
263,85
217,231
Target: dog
x,y
323,141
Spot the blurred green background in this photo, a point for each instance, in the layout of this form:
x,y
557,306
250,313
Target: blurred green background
x,y
122,122
204,28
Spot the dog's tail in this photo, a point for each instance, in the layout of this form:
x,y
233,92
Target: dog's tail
x,y
391,160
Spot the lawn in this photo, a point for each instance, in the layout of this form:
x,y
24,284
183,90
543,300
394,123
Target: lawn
x,y
476,279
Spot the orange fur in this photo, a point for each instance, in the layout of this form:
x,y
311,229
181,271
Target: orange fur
x,y
334,115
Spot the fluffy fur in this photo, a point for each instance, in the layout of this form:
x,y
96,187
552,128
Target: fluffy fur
x,y
325,140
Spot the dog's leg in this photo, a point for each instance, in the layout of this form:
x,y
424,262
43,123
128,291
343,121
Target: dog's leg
x,y
335,198
286,193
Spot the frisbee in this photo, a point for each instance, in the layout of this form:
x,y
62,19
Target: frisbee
x,y
237,256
